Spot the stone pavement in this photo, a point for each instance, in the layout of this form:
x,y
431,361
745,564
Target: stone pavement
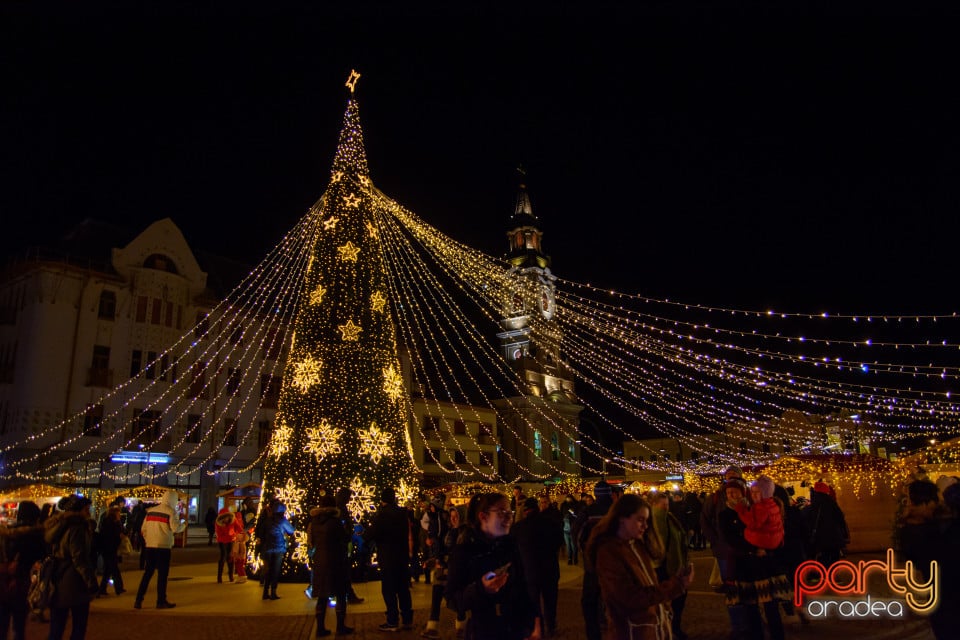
x,y
210,611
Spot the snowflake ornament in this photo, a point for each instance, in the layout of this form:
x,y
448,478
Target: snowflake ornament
x,y
291,495
392,383
406,493
306,373
375,443
361,499
323,440
280,440
302,551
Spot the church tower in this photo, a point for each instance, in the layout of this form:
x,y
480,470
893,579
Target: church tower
x,y
545,416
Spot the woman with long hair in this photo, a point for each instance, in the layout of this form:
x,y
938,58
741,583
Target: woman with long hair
x,y
622,547
486,577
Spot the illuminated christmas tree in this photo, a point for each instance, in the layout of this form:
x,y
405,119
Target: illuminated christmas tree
x,y
341,419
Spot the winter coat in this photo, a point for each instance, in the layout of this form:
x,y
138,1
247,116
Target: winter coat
x,y
631,592
539,539
25,543
70,536
390,530
827,526
764,523
920,534
671,531
709,521
109,538
161,523
328,539
275,531
227,526
508,614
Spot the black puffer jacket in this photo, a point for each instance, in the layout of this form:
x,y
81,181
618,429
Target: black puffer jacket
x,y
70,537
26,544
507,614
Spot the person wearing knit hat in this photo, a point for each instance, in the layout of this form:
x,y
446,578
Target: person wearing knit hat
x,y
827,525
733,471
749,531
70,537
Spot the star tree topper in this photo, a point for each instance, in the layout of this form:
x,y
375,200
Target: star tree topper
x,y
351,82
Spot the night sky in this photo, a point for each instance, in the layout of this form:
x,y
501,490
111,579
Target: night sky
x,y
737,155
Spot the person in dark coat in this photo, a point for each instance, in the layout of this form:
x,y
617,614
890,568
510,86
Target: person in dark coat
x,y
539,537
590,601
486,577
273,546
23,541
70,537
109,541
829,534
210,520
328,540
390,531
945,621
570,512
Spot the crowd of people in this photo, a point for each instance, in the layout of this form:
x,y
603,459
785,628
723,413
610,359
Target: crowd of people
x,y
495,561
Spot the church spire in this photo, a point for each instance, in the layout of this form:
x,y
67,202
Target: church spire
x,y
524,236
351,157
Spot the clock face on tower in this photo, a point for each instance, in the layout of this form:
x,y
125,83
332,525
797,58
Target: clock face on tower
x,y
547,303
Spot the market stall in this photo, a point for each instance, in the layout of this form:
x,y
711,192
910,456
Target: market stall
x,y
232,498
153,493
41,494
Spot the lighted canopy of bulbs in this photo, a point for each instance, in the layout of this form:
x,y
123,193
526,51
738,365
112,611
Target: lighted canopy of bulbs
x,y
359,267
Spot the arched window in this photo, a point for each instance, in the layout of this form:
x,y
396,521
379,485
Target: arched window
x,y
537,444
160,262
554,446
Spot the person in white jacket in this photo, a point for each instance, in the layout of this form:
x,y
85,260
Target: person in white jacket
x,y
161,523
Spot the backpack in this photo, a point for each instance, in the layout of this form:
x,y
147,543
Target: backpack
x,y
8,576
42,583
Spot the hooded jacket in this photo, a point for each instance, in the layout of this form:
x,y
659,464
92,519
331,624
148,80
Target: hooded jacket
x,y
162,522
227,526
70,536
764,522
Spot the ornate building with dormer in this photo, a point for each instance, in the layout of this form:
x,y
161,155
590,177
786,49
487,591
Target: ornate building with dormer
x,y
538,430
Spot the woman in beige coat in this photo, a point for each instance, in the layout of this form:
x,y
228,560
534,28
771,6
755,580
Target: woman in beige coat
x,y
622,547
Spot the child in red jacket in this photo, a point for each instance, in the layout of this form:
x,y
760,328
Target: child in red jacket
x,y
764,519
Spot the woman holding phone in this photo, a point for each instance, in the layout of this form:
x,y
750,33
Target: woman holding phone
x,y
622,547
485,577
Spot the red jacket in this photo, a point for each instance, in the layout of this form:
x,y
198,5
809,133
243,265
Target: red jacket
x,y
227,526
764,523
